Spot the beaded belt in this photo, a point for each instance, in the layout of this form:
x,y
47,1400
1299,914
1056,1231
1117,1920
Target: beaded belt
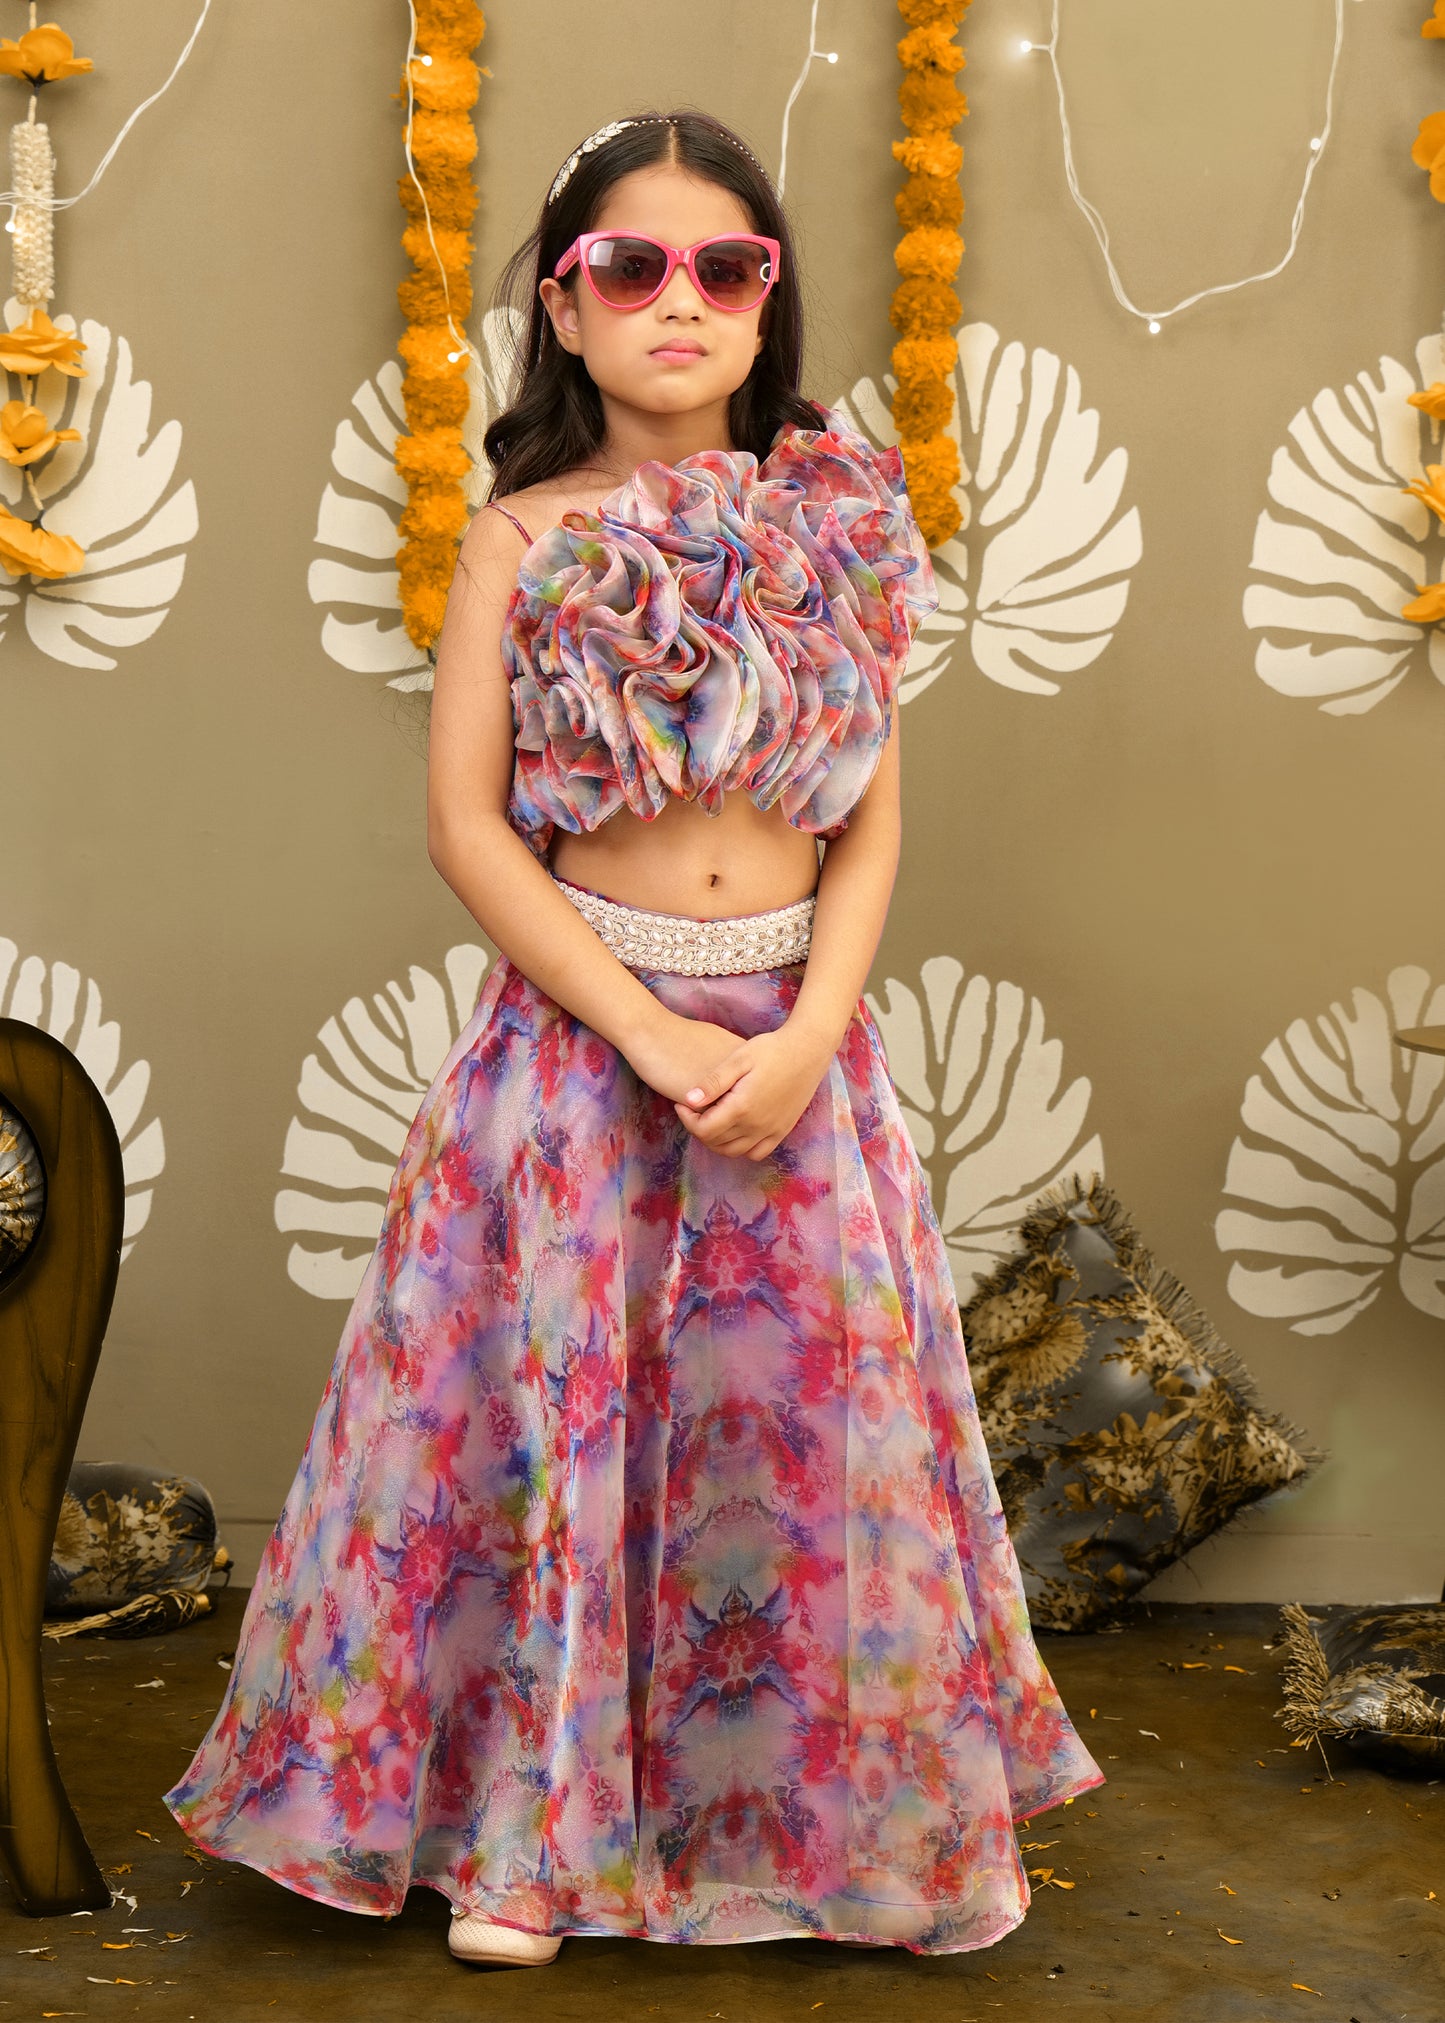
x,y
732,946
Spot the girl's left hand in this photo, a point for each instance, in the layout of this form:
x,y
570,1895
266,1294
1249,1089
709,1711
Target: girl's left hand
x,y
752,1099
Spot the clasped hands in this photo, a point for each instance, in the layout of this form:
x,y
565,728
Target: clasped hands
x,y
740,1096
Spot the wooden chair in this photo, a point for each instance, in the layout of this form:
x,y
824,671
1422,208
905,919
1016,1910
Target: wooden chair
x,y
54,1304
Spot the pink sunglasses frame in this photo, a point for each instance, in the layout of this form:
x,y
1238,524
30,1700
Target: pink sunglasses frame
x,y
677,256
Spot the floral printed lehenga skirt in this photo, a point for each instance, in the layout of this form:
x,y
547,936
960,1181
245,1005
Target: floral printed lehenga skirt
x,y
644,1573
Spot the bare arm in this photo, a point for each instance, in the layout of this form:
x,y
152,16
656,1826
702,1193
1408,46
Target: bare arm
x,y
505,888
855,885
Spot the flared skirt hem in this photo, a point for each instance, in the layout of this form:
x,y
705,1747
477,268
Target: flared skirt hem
x,y
618,1931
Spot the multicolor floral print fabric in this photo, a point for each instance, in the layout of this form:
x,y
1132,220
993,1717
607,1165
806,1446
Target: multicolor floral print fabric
x,y
644,1573
717,623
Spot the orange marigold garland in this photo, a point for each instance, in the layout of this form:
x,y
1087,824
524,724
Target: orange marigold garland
x,y
925,310
440,201
1428,152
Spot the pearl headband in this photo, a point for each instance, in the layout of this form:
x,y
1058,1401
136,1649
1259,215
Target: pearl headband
x,y
605,133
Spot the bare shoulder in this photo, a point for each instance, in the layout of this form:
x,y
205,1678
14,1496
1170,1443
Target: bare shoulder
x,y
540,507
493,544
490,551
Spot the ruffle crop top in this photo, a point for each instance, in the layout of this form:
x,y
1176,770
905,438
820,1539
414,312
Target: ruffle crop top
x,y
717,623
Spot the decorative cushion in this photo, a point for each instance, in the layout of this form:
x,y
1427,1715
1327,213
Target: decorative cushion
x,y
1374,1678
1121,1429
128,1535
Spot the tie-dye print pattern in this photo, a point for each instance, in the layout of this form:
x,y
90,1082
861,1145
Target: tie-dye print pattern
x,y
644,1572
717,623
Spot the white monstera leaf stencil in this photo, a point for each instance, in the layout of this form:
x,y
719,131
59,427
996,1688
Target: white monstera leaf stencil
x,y
1341,1157
984,1099
1051,543
358,1097
49,995
113,492
356,579
1342,548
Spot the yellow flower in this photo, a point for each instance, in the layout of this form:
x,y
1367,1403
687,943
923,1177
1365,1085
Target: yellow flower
x,y
1435,26
930,253
1432,400
28,549
1428,152
26,434
1430,490
1429,607
39,343
930,154
444,83
931,45
42,56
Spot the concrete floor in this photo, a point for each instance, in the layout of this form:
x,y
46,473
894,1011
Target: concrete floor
x,y
1210,1829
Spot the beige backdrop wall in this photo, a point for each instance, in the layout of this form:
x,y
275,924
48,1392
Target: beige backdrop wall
x,y
1157,909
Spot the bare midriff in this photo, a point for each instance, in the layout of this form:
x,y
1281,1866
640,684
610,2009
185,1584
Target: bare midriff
x,y
744,860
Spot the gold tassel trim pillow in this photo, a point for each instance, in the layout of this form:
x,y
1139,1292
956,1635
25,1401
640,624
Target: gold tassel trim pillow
x,y
1121,1429
1372,1678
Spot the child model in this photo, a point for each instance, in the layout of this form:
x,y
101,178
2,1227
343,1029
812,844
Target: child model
x,y
645,1573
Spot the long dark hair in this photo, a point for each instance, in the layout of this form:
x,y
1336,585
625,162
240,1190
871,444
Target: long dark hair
x,y
556,421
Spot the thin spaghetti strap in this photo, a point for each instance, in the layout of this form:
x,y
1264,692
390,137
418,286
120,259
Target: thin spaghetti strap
x,y
497,507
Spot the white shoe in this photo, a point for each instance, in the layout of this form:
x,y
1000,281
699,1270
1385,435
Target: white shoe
x,y
473,1937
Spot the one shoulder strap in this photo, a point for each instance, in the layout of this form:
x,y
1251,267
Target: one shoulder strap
x,y
497,507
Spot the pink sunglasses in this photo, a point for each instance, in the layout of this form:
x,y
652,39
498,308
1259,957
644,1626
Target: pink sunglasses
x,y
627,270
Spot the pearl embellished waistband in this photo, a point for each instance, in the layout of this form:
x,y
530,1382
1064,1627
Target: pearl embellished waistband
x,y
731,946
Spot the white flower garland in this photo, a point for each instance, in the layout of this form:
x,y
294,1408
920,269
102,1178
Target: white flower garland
x,y
32,170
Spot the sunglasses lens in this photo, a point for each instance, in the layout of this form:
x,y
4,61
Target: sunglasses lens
x,y
626,271
735,272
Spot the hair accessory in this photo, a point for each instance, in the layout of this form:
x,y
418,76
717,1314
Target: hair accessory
x,y
615,126
593,140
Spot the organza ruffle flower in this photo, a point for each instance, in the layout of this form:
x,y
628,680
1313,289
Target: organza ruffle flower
x,y
42,56
26,434
713,624
30,550
41,343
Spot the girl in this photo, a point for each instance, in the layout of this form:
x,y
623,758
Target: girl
x,y
644,1573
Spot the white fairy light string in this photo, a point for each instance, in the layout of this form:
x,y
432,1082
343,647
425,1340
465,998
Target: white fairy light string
x,y
814,55
1155,319
50,202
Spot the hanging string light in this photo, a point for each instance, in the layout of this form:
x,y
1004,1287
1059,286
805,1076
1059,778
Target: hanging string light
x,y
814,55
1155,319
52,202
